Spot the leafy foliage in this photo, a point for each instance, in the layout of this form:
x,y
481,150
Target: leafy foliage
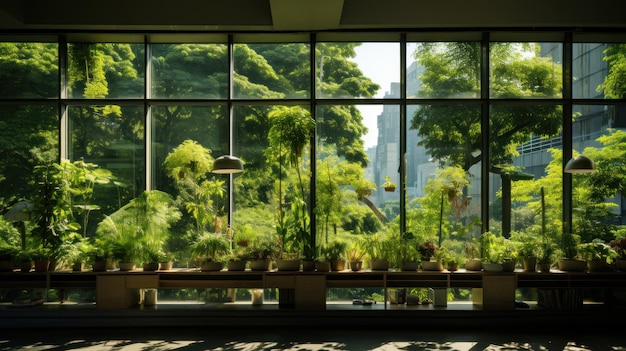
x,y
140,227
452,133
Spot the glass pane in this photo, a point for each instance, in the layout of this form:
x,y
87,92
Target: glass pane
x,y
29,136
172,125
598,71
111,137
105,70
185,142
597,200
443,161
29,70
272,71
254,193
443,70
357,70
271,195
189,71
525,70
525,161
357,148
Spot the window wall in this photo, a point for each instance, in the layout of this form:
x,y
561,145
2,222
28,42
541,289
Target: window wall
x,y
470,126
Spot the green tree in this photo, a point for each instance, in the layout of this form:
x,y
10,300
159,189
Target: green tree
x,y
614,85
451,133
609,179
336,180
28,133
433,217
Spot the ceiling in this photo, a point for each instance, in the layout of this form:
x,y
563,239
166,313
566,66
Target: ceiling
x,y
303,15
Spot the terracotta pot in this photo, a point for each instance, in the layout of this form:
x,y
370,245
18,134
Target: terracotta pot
x,y
508,265
127,266
432,266
260,264
236,265
598,266
569,265
452,266
99,266
544,267
408,266
211,266
322,266
42,265
308,265
530,264
150,266
78,267
166,266
474,264
356,266
337,265
288,264
379,265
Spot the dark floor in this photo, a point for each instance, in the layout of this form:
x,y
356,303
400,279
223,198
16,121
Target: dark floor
x,y
240,326
328,337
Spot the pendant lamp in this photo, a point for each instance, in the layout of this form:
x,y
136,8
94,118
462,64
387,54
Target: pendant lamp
x,y
579,164
227,164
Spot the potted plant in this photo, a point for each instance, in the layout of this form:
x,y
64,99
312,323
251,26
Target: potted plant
x,y
101,256
127,254
335,253
569,257
42,256
510,255
408,251
151,258
598,254
448,258
528,249
428,252
167,261
237,259
209,249
492,252
473,253
138,230
263,249
77,254
378,249
322,263
355,256
547,252
388,185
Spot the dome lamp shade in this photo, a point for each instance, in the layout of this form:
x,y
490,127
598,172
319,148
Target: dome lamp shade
x,y
579,164
227,164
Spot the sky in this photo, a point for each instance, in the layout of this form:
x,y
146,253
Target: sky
x,y
371,60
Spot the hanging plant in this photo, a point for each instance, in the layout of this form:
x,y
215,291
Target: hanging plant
x,y
388,185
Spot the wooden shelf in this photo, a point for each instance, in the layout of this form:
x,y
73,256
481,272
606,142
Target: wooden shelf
x,y
307,290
